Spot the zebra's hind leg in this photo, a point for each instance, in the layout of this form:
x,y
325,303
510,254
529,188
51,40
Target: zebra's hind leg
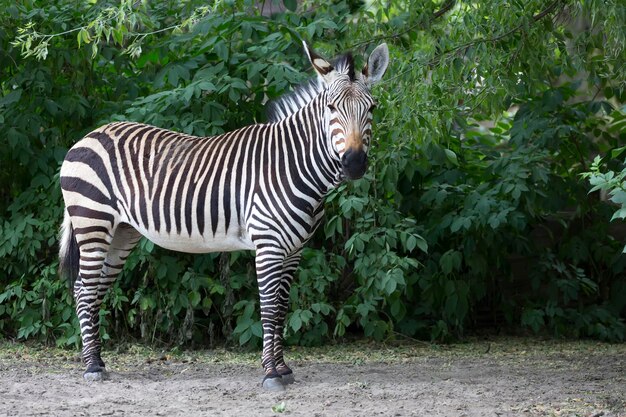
x,y
124,240
289,268
93,245
101,260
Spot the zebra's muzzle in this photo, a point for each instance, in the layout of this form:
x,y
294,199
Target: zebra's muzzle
x,y
354,164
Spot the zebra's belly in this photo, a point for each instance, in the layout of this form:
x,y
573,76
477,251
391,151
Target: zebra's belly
x,y
200,244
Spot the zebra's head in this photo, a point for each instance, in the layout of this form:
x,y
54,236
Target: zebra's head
x,y
349,105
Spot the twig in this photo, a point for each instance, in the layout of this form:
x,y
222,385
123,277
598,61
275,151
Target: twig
x,y
444,9
535,18
412,339
440,56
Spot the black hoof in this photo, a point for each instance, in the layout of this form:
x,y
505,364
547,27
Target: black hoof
x,y
95,373
273,383
288,377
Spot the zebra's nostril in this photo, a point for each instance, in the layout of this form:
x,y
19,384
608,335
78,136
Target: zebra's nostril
x,y
354,163
352,157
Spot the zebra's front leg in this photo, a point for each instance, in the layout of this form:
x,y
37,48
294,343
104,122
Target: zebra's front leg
x,y
289,268
269,268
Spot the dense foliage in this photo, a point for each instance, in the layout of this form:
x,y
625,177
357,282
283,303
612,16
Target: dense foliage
x,y
476,211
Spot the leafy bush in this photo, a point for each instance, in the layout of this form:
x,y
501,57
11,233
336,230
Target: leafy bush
x,y
473,212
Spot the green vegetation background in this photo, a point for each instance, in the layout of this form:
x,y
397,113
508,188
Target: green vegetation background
x,y
495,119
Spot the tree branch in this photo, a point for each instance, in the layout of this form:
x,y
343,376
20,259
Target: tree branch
x,y
535,18
444,9
545,12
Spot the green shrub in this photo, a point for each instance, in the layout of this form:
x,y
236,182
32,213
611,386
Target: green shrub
x,y
483,130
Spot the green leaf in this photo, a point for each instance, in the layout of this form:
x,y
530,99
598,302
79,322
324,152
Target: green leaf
x,y
451,304
257,329
243,325
295,322
245,336
618,197
533,318
13,97
390,286
615,153
194,298
118,35
83,37
460,222
291,5
279,408
450,261
414,241
619,214
364,309
451,157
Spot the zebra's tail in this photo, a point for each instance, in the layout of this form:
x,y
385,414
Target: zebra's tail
x,y
69,256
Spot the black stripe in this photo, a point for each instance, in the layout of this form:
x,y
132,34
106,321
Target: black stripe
x,y
80,211
90,157
92,229
86,189
230,173
192,183
159,181
93,240
129,135
209,163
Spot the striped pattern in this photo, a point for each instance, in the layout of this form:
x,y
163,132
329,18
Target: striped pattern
x,y
259,187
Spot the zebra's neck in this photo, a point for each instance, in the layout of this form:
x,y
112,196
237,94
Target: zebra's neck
x,y
307,131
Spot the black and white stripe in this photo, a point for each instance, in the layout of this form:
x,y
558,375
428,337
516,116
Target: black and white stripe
x,y
258,188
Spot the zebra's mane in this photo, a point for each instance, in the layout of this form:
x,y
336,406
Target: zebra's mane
x,y
288,104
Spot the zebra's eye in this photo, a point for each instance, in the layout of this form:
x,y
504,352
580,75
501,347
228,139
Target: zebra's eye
x,y
331,107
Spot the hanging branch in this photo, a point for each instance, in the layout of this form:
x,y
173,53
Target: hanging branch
x,y
535,18
447,6
435,60
111,25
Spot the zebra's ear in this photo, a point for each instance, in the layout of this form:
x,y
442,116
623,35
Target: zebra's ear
x,y
376,64
321,66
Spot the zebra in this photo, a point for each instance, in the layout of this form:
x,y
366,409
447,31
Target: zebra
x,y
260,187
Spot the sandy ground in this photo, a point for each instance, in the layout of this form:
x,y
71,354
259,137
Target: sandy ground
x,y
505,377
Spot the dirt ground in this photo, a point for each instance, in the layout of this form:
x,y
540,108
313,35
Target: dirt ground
x,y
500,377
